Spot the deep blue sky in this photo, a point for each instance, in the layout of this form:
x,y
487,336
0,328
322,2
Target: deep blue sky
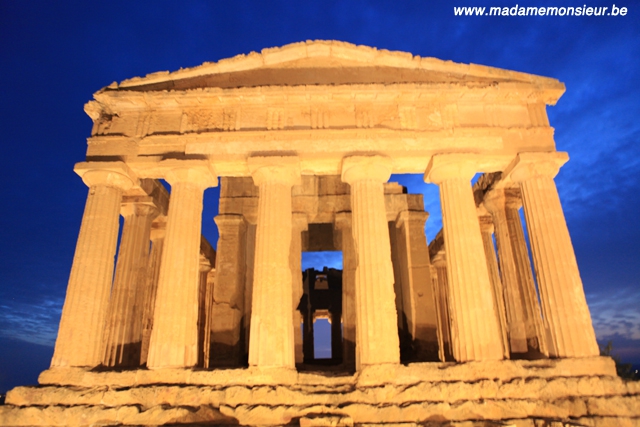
x,y
55,55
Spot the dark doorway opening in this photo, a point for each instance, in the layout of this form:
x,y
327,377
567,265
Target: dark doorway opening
x,y
321,310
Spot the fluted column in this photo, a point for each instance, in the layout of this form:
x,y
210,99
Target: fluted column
x,y
210,280
445,340
564,306
123,328
419,302
80,335
376,317
349,263
157,235
523,313
477,335
248,285
271,341
299,224
174,338
204,308
228,294
486,228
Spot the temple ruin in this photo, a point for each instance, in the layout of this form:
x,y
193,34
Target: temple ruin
x,y
303,139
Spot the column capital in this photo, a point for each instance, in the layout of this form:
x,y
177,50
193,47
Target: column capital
x,y
110,174
154,190
502,198
342,220
411,216
451,166
159,228
533,165
486,223
139,205
494,201
440,259
199,172
358,168
229,220
513,198
280,169
205,264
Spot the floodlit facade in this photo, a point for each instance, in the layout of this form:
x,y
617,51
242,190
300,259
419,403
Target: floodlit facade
x,y
302,140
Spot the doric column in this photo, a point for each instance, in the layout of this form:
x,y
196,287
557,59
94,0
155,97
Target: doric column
x,y
157,235
174,338
209,316
526,332
445,341
349,262
123,328
80,335
415,271
476,331
228,294
404,333
299,224
376,316
564,306
248,285
486,228
271,341
204,309
306,310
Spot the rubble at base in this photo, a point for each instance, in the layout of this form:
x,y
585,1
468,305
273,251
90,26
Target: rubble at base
x,y
508,393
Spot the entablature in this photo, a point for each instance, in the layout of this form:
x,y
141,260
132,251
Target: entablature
x,y
398,106
321,150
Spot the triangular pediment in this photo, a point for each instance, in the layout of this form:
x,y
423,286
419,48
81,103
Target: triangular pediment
x,y
328,63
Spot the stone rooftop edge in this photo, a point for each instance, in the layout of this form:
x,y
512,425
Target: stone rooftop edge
x,y
363,55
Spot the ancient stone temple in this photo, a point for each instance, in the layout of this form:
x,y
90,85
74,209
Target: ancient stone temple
x,y
303,139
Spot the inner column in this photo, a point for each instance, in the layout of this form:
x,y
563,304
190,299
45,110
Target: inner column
x,y
271,339
299,224
123,327
376,317
343,224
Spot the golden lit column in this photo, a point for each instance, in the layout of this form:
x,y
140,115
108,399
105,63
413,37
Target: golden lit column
x,y
415,270
204,309
342,223
445,340
523,312
475,327
535,326
174,338
487,228
564,306
157,235
80,335
248,282
208,326
376,317
123,328
271,341
295,260
228,294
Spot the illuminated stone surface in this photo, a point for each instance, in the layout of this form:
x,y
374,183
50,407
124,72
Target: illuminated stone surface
x,y
303,139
